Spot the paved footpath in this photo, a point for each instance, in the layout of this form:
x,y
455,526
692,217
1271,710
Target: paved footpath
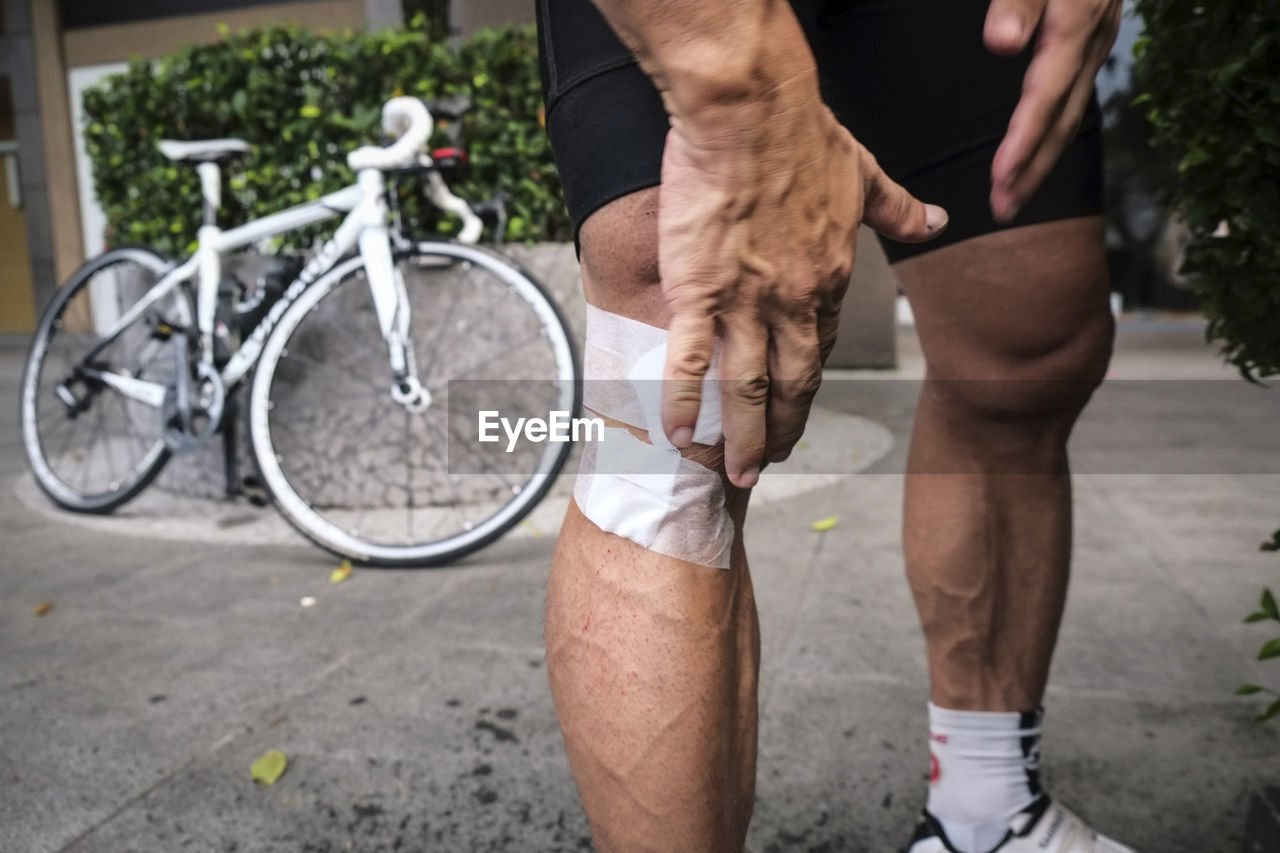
x,y
414,709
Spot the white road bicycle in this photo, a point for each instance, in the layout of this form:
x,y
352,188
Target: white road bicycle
x,y
349,370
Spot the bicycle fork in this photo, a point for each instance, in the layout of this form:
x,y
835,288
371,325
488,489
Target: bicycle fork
x,y
390,297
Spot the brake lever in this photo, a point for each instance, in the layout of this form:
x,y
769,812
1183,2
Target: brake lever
x,y
495,208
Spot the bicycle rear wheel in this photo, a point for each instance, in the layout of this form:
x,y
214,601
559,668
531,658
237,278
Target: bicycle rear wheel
x,y
91,448
365,476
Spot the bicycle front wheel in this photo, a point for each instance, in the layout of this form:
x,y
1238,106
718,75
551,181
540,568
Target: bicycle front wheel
x,y
372,477
90,445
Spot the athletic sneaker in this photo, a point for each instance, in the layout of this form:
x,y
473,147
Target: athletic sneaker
x,y
1042,827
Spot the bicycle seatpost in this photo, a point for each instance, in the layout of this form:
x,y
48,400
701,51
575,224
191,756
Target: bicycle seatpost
x,y
210,189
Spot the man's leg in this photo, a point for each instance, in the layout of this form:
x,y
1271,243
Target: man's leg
x,y
1016,329
652,660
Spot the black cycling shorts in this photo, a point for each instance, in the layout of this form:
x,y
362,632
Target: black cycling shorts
x,y
910,79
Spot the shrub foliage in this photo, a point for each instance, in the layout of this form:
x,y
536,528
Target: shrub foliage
x,y
1211,75
303,100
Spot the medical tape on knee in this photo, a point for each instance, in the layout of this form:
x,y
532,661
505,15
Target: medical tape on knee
x,y
648,492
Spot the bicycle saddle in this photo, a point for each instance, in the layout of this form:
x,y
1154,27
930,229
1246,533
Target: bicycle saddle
x,y
450,109
203,151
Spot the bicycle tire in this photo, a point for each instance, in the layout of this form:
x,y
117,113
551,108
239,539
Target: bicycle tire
x,y
62,339
332,468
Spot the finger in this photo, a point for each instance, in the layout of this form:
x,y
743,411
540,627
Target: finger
x,y
690,339
1045,88
795,372
1008,199
1073,41
744,396
896,213
1010,24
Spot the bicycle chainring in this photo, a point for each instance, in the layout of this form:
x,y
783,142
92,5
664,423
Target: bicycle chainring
x,y
188,431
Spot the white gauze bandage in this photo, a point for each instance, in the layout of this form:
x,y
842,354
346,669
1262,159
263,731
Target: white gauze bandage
x,y
648,493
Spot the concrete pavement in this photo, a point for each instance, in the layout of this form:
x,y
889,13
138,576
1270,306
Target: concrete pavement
x,y
414,710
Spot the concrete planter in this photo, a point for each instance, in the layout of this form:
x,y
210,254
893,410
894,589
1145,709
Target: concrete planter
x,y
866,337
1262,826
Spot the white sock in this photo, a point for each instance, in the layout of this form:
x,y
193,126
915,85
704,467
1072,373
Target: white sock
x,y
985,769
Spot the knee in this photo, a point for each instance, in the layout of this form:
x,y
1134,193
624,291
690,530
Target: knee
x,y
619,244
1042,378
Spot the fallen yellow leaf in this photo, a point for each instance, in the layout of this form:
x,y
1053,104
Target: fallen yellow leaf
x,y
269,767
341,573
822,525
44,608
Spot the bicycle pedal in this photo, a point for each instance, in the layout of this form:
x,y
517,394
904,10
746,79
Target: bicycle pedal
x,y
253,490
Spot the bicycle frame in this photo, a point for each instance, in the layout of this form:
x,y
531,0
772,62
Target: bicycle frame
x,y
365,227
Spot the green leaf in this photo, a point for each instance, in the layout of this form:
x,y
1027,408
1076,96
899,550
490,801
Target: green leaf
x,y
1269,712
269,767
1194,157
1270,649
1256,616
1267,604
309,111
1248,689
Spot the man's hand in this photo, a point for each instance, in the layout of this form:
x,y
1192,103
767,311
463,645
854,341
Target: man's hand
x,y
1074,39
762,193
757,222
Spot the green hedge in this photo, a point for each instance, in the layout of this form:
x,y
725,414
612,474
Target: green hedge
x,y
304,100
1210,74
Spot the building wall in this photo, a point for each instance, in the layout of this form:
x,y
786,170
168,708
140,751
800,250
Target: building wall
x,y
161,36
17,302
470,15
17,66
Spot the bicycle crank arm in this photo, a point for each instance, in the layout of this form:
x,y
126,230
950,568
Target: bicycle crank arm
x,y
148,393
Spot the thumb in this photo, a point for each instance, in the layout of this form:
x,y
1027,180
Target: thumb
x,y
896,213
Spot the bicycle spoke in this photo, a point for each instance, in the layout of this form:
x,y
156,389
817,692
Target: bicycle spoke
x,y
111,455
58,421
124,409
283,424
66,445
155,347
486,466
438,338
92,442
453,490
342,328
324,365
360,395
477,365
